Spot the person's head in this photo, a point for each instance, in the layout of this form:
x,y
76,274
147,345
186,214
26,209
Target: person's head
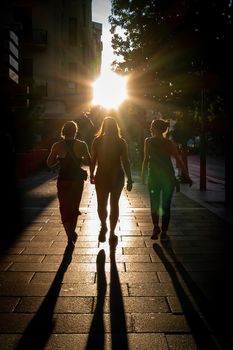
x,y
159,127
109,127
69,130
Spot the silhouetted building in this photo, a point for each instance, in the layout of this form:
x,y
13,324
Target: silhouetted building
x,y
97,47
59,58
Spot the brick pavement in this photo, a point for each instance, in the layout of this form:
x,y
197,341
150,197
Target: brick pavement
x,y
141,294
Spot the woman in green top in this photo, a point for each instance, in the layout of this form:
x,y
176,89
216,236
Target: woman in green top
x,y
158,166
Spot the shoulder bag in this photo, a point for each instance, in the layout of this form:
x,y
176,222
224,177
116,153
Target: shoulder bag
x,y
83,172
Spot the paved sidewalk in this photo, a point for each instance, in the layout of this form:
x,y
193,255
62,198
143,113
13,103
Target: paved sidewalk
x,y
214,196
141,294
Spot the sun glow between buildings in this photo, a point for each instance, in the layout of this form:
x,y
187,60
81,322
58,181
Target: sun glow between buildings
x,y
109,90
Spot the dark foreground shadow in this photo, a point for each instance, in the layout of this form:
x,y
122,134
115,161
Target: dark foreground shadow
x,y
97,331
20,208
41,326
10,202
10,214
117,312
193,310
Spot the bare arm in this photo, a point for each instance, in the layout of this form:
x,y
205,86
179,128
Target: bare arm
x,y
86,154
180,163
126,164
145,161
52,159
93,161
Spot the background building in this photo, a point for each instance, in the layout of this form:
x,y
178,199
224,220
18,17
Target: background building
x,y
59,56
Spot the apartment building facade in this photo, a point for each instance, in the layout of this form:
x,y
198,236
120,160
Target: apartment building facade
x,y
59,55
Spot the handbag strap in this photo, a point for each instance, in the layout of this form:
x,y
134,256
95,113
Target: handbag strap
x,y
71,153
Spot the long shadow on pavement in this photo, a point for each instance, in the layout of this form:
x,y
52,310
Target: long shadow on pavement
x,y
194,308
41,326
97,331
117,312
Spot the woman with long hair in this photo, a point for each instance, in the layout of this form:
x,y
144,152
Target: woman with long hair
x,y
157,165
69,153
109,153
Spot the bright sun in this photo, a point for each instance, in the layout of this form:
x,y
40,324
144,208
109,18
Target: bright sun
x,y
109,90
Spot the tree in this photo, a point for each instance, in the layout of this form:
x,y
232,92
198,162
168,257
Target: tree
x,y
154,45
176,53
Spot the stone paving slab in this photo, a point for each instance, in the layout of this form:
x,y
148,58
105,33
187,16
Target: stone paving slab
x,y
143,294
143,341
64,305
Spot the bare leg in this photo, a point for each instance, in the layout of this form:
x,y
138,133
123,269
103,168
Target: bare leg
x,y
102,201
114,209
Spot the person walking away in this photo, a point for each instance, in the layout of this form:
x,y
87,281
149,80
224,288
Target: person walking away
x,y
157,166
109,157
70,153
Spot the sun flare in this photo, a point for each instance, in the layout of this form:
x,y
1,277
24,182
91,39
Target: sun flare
x,y
109,90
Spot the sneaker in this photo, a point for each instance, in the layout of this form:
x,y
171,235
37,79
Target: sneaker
x,y
156,232
163,236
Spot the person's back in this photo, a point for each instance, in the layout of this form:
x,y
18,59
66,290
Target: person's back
x,y
109,153
161,176
160,165
69,170
69,153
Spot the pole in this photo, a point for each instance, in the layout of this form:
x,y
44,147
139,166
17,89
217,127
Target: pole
x,y
202,146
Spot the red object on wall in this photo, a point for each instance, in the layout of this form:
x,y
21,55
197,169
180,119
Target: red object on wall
x,y
29,162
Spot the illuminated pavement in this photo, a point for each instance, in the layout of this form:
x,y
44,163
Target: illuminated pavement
x,y
142,294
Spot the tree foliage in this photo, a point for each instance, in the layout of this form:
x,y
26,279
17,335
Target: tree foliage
x,y
171,50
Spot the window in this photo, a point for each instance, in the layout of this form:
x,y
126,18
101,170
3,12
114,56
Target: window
x,y
72,87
